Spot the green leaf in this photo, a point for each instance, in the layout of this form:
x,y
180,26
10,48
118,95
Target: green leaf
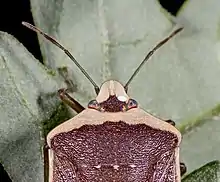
x,y
201,144
23,84
206,23
207,173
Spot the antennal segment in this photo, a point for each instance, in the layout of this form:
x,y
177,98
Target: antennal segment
x,y
150,54
28,25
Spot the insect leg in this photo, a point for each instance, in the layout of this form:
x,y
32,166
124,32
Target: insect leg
x,y
66,98
46,161
170,122
183,168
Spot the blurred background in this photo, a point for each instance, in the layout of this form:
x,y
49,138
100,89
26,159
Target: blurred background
x,y
12,13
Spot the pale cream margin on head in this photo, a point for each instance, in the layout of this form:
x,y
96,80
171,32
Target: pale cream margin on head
x,y
132,116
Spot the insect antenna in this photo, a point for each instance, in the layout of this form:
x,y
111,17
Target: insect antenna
x,y
150,54
48,37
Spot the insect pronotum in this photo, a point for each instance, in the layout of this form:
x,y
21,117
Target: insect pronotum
x,y
113,140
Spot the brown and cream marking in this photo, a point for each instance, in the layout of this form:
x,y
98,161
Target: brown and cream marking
x,y
114,142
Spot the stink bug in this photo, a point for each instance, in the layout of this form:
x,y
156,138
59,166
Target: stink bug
x,y
113,140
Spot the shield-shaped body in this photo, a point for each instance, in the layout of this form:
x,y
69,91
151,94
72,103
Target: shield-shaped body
x,y
113,140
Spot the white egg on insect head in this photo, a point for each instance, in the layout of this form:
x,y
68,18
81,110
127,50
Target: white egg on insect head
x,y
112,139
122,98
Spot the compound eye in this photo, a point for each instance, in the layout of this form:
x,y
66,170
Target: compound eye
x,y
93,104
132,104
